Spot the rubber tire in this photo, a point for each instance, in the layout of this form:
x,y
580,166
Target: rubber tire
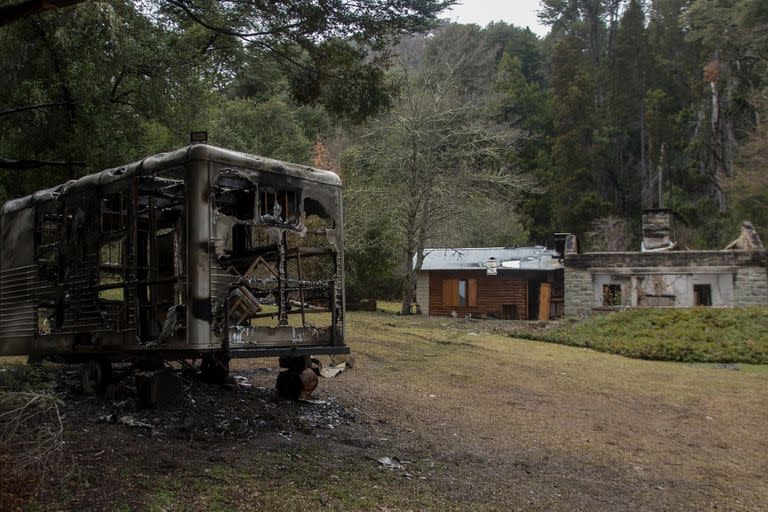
x,y
214,368
296,385
95,375
295,363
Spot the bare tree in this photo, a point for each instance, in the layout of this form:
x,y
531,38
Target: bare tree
x,y
610,234
432,152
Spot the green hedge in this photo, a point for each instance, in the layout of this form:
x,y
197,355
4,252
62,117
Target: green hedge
x,y
738,335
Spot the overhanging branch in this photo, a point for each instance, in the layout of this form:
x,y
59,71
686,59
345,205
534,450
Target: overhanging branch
x,y
21,165
11,13
39,106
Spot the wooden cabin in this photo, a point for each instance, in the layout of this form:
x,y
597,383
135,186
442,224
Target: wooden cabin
x,y
511,283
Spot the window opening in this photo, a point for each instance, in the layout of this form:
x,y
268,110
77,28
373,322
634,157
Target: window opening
x,y
50,243
235,197
111,259
279,206
611,295
156,257
50,262
114,213
702,294
111,269
460,292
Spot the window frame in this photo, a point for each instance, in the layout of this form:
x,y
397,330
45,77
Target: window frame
x,y
698,295
452,296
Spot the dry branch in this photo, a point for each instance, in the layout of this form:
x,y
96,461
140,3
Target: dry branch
x,y
31,433
40,106
11,13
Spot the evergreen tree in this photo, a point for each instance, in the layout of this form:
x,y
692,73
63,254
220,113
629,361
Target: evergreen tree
x,y
576,181
626,111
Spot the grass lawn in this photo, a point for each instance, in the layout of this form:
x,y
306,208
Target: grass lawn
x,y
713,335
485,422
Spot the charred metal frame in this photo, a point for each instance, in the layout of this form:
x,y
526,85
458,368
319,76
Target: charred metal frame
x,y
200,250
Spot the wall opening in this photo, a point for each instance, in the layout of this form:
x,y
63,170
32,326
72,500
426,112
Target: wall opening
x,y
611,295
702,295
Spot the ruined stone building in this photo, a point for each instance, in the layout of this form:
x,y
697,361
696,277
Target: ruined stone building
x,y
663,275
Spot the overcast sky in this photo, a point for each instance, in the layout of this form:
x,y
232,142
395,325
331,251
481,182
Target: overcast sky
x,y
518,12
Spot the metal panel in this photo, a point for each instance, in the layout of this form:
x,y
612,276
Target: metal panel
x,y
18,302
198,231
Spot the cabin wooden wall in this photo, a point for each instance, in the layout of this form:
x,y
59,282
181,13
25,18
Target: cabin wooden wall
x,y
492,293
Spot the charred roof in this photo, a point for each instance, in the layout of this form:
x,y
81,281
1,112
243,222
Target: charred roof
x,y
173,159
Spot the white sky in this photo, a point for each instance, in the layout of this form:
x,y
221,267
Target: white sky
x,y
518,12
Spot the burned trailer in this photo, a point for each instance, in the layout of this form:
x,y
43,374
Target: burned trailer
x,y
201,253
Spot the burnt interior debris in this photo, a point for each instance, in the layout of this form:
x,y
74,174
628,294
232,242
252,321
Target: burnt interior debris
x,y
140,257
272,260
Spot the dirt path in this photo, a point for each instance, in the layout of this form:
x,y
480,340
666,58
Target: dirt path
x,y
472,421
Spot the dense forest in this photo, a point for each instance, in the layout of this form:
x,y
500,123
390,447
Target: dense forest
x,y
444,134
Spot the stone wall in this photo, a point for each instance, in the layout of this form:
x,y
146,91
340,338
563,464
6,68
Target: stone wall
x,y
422,292
666,259
579,299
751,287
746,268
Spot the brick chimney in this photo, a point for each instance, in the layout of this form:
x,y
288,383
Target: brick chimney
x,y
657,230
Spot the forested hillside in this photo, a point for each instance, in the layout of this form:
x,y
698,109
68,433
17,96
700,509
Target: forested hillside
x,y
444,134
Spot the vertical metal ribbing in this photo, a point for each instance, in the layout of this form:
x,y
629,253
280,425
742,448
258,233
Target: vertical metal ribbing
x,y
282,276
340,263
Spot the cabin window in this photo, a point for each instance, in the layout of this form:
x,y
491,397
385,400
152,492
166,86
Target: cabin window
x,y
611,295
460,293
702,294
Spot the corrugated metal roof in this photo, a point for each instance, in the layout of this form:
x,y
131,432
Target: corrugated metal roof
x,y
507,258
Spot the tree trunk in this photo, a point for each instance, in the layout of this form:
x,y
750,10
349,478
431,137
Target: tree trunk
x,y
643,164
409,290
718,157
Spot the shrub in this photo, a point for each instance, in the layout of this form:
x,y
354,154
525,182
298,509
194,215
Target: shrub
x,y
733,335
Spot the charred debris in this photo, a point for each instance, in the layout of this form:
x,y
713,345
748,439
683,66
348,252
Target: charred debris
x,y
200,255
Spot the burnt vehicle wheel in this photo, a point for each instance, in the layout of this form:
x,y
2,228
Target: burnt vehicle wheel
x,y
214,368
95,374
295,363
298,380
35,360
